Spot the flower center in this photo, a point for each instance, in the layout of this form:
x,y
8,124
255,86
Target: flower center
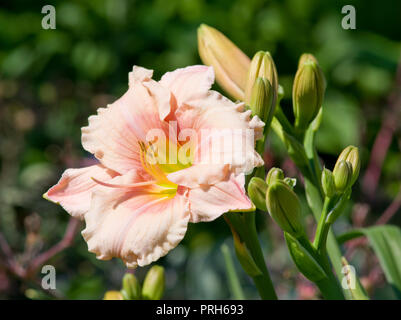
x,y
159,160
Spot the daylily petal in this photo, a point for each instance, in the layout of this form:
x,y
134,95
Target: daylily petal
x,y
139,74
190,83
235,147
226,134
113,134
161,95
200,174
74,189
135,225
210,202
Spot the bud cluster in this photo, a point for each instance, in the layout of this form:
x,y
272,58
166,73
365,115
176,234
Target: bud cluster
x,y
151,289
344,175
276,196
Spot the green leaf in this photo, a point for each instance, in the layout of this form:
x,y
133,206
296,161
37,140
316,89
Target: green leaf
x,y
357,291
233,281
386,243
304,261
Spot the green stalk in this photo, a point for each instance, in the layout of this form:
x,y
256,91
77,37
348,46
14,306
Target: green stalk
x,y
322,229
233,280
245,225
311,172
329,287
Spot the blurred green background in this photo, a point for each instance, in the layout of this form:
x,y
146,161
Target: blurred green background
x,y
52,80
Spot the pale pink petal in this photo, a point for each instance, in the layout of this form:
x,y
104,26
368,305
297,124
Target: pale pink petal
x,y
188,84
74,189
135,225
210,202
161,96
216,118
200,174
113,135
189,113
139,74
225,135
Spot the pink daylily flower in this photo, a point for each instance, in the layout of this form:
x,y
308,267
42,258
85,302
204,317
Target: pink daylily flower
x,y
138,210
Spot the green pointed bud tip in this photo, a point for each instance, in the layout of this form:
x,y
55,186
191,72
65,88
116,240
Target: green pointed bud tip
x,y
262,65
154,283
261,101
131,289
306,57
285,208
342,175
292,182
351,154
257,192
307,92
113,295
329,187
273,175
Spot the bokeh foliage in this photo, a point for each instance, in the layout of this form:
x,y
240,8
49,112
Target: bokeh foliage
x,y
52,80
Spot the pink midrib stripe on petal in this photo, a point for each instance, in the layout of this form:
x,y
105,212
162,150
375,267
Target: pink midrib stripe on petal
x,y
121,240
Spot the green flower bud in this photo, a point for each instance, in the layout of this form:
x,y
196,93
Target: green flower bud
x,y
153,286
257,192
262,65
261,101
342,175
112,295
351,154
329,187
306,57
284,207
274,174
131,288
308,91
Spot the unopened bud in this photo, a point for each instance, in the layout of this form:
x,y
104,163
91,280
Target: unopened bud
x,y
306,57
229,62
262,65
342,175
257,192
285,208
153,285
329,187
351,154
292,182
308,91
131,289
112,295
261,102
273,175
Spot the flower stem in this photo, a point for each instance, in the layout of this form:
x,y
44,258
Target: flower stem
x,y
313,190
322,229
234,283
330,288
245,225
